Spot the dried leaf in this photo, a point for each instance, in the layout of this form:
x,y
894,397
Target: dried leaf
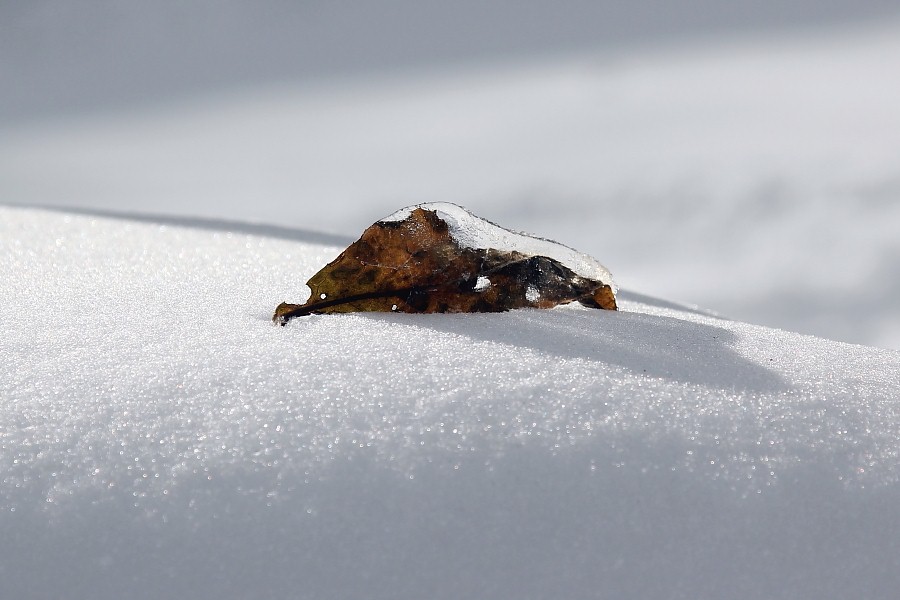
x,y
440,258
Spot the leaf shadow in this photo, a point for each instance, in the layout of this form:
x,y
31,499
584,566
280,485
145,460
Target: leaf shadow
x,y
630,296
681,350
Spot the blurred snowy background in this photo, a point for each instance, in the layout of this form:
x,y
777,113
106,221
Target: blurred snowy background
x,y
742,157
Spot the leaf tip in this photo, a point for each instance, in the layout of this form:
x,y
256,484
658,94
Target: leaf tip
x,y
284,313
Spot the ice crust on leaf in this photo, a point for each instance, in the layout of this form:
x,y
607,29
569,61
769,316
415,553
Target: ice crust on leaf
x,y
471,231
433,258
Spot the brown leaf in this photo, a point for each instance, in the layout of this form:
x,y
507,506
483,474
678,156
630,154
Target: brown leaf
x,y
418,264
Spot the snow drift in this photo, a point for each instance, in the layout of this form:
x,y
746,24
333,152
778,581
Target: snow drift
x,y
160,438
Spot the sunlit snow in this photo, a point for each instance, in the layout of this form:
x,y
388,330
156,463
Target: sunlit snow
x,y
158,434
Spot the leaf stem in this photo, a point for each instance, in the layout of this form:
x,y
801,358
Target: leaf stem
x,y
285,312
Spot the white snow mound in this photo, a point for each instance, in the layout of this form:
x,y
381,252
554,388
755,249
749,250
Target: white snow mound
x,y
159,437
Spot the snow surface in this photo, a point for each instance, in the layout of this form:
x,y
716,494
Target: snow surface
x,y
755,176
159,437
471,231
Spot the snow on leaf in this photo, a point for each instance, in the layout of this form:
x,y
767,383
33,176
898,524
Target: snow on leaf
x,y
433,258
482,283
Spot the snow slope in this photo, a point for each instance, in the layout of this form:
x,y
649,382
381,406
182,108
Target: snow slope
x,y
159,437
757,176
